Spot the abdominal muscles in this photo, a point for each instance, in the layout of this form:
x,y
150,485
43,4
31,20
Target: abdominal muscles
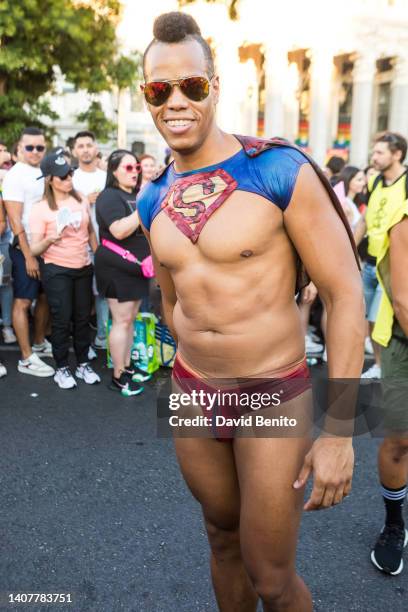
x,y
233,326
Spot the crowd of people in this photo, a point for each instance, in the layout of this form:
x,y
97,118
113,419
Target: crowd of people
x,y
72,239
71,244
87,176
361,192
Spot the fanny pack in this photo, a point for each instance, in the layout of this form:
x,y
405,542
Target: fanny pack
x,y
146,264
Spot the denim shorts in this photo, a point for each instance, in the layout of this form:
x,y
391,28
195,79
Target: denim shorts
x,y
372,292
24,287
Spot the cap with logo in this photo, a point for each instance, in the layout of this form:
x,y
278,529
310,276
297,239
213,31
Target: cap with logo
x,y
54,164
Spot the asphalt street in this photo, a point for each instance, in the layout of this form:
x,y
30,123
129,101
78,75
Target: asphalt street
x,y
92,504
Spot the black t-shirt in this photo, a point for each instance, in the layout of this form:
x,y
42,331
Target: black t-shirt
x,y
114,204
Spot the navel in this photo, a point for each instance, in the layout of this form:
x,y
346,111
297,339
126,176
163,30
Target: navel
x,y
246,253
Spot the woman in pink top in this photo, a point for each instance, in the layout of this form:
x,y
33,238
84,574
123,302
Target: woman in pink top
x,y
61,232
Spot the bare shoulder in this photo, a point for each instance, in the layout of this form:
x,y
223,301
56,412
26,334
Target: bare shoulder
x,y
309,187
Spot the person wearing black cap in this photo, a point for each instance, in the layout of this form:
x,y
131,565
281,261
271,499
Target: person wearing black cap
x,y
61,230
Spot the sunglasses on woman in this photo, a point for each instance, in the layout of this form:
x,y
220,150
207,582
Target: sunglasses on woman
x,y
30,148
195,88
68,175
131,168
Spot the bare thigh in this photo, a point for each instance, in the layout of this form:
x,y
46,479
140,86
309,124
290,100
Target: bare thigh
x,y
270,506
209,470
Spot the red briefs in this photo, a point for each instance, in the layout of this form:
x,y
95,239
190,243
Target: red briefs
x,y
235,398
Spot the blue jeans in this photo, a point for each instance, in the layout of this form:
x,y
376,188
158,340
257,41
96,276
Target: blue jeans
x,y
372,292
6,290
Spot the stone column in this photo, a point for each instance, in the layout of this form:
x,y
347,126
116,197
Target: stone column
x,y
228,70
322,68
291,103
249,99
361,115
276,69
399,97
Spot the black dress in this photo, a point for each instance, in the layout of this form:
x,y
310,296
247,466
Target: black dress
x,y
116,277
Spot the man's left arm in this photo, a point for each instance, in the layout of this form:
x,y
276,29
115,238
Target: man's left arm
x,y
322,242
399,278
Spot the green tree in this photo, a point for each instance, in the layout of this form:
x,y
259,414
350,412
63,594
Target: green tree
x,y
36,36
231,5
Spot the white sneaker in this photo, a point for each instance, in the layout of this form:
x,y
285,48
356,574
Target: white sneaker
x,y
3,370
44,349
35,366
8,335
311,333
368,347
91,354
324,356
86,373
312,347
64,379
99,343
373,372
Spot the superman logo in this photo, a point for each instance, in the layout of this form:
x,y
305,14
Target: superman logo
x,y
191,200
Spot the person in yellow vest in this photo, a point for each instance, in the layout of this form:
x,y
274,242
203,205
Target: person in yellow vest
x,y
391,332
387,193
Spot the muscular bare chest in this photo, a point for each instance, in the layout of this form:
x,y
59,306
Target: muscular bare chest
x,y
246,225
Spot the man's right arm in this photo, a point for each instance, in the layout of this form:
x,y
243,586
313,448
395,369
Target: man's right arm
x,y
167,288
15,213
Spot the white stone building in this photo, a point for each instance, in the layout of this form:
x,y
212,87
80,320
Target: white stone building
x,y
324,74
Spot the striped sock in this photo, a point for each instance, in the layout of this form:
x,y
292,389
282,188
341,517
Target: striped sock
x,y
394,502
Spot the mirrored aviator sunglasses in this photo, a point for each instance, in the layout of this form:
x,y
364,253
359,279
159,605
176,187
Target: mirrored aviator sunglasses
x,y
195,88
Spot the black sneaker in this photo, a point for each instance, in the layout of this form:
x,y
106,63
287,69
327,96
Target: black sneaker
x,y
136,374
125,385
387,553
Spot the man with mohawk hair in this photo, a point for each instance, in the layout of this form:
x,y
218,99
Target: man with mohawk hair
x,y
229,221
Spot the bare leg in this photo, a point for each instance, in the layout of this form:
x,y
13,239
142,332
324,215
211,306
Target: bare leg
x,y
20,324
128,346
393,462
119,336
208,468
270,517
41,317
323,322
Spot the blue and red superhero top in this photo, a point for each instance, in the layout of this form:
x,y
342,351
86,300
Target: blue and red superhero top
x,y
190,198
268,168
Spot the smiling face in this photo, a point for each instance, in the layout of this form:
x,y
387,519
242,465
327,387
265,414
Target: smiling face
x,y
183,123
127,172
